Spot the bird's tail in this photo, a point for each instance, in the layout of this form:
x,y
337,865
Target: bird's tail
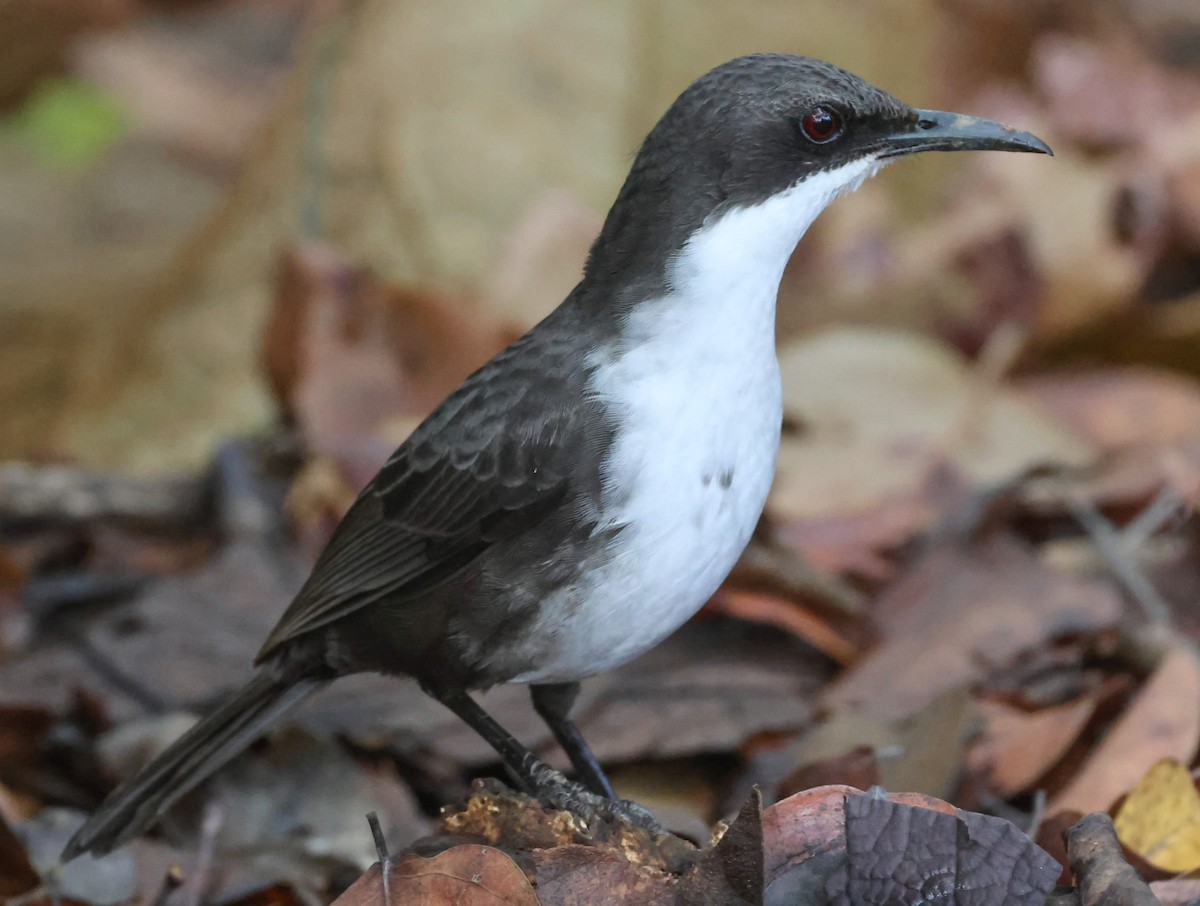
x,y
138,802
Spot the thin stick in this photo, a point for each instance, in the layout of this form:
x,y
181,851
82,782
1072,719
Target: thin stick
x,y
385,860
210,828
1108,543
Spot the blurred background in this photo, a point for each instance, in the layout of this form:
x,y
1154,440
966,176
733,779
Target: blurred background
x,y
246,246
161,161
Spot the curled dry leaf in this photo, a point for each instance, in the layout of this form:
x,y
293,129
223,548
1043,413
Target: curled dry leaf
x,y
852,847
1162,721
462,876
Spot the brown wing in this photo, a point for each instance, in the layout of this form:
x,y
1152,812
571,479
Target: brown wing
x,y
491,460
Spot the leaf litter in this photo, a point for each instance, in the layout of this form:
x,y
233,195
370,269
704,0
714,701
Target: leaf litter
x,y
975,579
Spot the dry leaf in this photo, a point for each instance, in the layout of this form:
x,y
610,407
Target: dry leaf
x,y
1119,407
1160,819
461,876
1016,747
960,611
1162,721
879,412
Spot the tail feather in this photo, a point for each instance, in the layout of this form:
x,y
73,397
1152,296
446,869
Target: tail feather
x,y
142,799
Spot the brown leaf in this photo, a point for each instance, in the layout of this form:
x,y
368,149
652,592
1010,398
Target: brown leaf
x,y
813,823
790,616
858,768
887,847
961,610
1087,84
879,413
1162,721
347,354
1016,747
461,876
1119,407
921,752
22,730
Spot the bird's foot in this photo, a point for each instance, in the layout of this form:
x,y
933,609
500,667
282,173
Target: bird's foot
x,y
554,789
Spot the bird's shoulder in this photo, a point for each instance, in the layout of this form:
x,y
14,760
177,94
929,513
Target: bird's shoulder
x,y
508,437
497,456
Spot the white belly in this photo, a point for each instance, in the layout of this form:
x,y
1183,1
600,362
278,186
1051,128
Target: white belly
x,y
687,479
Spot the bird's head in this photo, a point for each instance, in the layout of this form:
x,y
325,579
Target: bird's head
x,y
781,134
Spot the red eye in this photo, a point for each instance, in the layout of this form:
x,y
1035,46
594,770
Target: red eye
x,y
821,125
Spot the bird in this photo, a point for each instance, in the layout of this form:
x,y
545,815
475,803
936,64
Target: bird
x,y
582,494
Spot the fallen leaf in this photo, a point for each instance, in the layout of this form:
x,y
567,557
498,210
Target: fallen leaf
x,y
961,611
347,354
1162,721
1119,407
1016,747
108,879
879,412
1160,818
461,876
877,848
812,824
258,798
900,854
790,616
921,753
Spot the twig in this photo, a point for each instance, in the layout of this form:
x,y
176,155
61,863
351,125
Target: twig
x,y
385,859
1037,815
1144,526
210,828
1109,544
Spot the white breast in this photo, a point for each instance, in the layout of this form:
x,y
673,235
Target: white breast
x,y
695,387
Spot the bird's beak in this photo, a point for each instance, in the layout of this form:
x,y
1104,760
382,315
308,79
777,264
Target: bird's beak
x,y
938,131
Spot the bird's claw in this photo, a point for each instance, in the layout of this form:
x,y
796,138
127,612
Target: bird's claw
x,y
580,801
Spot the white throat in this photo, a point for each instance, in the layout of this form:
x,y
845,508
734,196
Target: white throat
x,y
750,246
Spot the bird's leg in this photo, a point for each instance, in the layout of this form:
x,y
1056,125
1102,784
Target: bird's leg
x,y
553,701
546,783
